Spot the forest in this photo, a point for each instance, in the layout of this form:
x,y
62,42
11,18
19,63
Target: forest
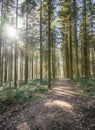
x,y
47,64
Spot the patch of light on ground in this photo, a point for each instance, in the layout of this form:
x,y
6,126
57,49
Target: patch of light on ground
x,y
59,103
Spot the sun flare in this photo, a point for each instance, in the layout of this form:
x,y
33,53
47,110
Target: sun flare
x,y
11,31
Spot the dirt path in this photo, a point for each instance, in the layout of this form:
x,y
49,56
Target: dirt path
x,y
63,109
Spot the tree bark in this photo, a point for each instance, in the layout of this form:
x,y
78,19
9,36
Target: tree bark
x,y
49,44
41,64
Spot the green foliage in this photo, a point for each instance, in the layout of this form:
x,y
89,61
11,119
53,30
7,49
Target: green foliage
x,y
21,82
13,96
86,85
4,19
40,89
37,82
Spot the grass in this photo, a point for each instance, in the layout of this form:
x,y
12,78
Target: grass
x,y
19,95
85,85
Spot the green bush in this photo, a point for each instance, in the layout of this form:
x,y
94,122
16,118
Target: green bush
x,y
86,85
21,82
17,95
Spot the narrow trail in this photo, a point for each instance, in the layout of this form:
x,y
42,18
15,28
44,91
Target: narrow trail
x,y
63,109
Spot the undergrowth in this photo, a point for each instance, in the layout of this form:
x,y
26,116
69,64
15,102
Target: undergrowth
x,y
85,85
17,95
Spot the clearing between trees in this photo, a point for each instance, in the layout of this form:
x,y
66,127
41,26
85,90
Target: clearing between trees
x,y
64,108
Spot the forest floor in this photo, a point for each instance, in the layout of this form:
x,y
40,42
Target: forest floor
x,y
64,108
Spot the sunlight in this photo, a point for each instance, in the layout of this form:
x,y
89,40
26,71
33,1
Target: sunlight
x,y
11,31
23,126
59,103
63,93
20,23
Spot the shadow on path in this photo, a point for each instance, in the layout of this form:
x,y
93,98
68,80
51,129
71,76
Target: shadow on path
x,y
63,109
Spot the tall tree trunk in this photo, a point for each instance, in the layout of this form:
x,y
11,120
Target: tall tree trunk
x,y
11,64
53,57
70,39
49,44
15,62
85,42
26,47
32,67
1,39
20,65
36,67
91,26
66,53
2,61
70,50
81,72
75,38
93,61
5,74
41,64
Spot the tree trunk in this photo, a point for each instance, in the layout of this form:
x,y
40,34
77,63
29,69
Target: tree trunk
x,y
15,58
26,47
1,39
32,67
41,64
49,44
5,74
85,43
75,38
